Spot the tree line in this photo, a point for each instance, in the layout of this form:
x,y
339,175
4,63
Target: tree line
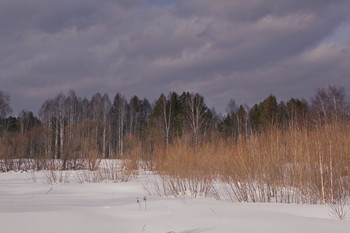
x,y
71,128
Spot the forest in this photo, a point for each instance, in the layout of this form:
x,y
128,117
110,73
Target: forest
x,y
296,151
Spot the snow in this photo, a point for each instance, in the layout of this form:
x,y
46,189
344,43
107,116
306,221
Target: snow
x,y
39,207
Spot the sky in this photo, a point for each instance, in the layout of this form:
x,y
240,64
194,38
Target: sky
x,y
223,49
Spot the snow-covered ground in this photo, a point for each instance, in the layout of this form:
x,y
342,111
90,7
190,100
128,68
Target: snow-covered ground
x,y
28,207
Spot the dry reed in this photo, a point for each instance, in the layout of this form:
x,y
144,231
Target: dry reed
x,y
287,166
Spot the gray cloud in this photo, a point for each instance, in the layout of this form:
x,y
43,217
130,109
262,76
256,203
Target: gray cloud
x,y
223,49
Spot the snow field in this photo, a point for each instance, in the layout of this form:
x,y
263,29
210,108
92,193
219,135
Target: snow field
x,y
112,207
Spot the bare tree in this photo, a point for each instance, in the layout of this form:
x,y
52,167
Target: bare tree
x,y
100,106
97,112
196,111
59,113
329,105
166,117
5,108
46,117
71,110
118,120
106,105
52,115
242,117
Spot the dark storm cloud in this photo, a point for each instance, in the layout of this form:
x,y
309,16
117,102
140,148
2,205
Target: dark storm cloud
x,y
223,49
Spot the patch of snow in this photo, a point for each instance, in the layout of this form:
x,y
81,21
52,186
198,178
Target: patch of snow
x,y
35,207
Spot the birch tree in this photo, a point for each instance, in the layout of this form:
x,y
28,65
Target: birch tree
x,y
329,105
106,105
46,117
196,111
118,119
59,114
71,110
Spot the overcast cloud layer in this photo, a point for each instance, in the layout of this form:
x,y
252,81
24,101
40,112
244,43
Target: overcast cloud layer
x,y
239,49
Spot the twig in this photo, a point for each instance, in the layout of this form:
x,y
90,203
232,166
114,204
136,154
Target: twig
x,y
49,190
143,228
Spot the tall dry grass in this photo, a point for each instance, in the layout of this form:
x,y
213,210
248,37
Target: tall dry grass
x,y
288,166
184,170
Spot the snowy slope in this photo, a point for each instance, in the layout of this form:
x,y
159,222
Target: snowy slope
x,y
112,207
